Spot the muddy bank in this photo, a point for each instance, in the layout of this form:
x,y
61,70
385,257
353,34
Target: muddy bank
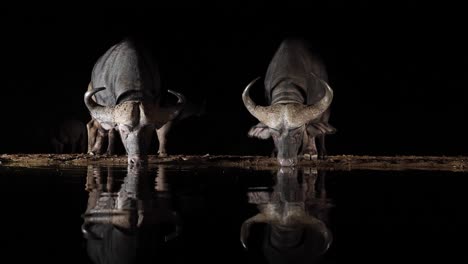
x,y
341,162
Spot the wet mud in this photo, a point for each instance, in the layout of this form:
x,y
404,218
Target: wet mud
x,y
338,162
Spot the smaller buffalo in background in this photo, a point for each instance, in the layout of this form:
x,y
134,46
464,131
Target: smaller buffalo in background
x,y
68,136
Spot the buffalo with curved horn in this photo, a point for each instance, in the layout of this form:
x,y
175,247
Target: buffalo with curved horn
x,y
125,95
299,99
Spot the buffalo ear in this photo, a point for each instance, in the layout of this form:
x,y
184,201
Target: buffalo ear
x,y
260,131
315,129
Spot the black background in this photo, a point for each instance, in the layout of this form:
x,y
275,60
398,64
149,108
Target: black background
x,y
398,74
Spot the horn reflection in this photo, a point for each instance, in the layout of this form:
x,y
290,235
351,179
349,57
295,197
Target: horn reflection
x,y
292,220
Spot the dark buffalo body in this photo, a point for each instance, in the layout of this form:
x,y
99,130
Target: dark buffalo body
x,y
288,77
128,72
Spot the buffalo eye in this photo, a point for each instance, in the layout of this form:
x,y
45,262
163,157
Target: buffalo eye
x,y
275,132
296,133
124,130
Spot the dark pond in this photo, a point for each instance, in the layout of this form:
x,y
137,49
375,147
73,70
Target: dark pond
x,y
224,215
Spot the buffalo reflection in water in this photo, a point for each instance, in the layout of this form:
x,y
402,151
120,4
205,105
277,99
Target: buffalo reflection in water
x,y
293,216
131,223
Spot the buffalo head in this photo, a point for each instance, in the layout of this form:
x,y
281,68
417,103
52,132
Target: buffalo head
x,y
135,121
286,122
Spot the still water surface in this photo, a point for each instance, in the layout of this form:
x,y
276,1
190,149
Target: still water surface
x,y
224,215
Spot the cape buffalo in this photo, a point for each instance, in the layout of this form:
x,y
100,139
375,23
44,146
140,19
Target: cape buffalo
x,y
125,84
299,99
68,136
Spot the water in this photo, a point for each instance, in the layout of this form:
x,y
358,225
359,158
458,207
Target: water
x,y
184,215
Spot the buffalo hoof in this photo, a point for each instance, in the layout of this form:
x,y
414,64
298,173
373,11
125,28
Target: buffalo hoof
x,y
309,156
162,155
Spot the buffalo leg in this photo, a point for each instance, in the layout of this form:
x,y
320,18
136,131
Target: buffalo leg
x,y
309,148
101,135
92,135
162,138
322,151
58,147
73,147
274,152
83,143
111,142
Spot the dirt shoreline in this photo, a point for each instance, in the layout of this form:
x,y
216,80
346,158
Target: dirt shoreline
x,y
338,162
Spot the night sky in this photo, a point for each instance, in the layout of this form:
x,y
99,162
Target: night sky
x,y
399,78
